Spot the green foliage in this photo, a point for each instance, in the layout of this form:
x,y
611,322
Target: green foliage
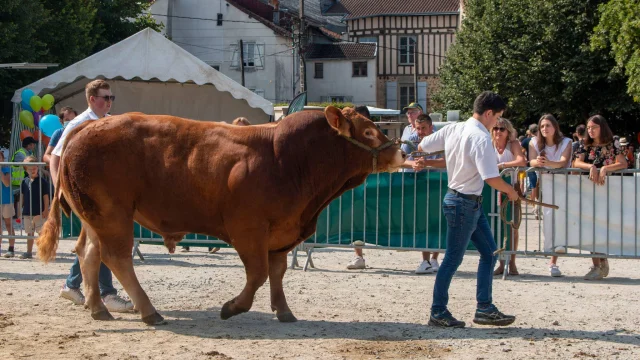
x,y
536,54
62,32
619,32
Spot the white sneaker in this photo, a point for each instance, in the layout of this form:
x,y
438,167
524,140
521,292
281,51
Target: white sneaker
x,y
434,265
75,295
594,274
560,250
115,303
554,270
357,263
425,268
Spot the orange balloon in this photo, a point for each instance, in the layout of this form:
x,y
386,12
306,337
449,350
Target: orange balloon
x,y
45,140
36,134
24,134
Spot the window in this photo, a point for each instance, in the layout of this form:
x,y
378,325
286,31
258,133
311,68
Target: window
x,y
219,20
368,40
217,67
336,98
405,52
249,54
319,71
407,95
253,55
359,69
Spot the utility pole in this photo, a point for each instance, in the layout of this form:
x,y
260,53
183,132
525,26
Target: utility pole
x,y
415,72
242,61
301,46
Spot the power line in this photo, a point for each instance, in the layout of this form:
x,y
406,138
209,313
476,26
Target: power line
x,y
208,19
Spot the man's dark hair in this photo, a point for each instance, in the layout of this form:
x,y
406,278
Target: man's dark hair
x,y
424,117
488,100
28,141
363,110
581,130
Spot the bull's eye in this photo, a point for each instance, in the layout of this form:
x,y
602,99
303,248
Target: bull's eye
x,y
368,133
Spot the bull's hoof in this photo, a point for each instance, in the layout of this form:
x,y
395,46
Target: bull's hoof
x,y
154,319
226,312
287,317
101,315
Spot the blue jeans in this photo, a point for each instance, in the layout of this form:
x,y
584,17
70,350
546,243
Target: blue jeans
x,y
105,280
466,222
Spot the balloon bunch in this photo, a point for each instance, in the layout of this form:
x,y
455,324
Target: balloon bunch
x,y
32,114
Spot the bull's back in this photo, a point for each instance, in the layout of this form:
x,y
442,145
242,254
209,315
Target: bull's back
x,y
171,171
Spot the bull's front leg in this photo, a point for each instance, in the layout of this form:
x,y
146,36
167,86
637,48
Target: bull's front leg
x,y
277,268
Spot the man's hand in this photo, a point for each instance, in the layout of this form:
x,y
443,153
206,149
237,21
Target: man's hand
x,y
513,195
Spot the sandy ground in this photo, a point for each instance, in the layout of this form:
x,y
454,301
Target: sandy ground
x,y
377,313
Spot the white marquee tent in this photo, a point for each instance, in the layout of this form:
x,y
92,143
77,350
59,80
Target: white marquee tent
x,y
151,74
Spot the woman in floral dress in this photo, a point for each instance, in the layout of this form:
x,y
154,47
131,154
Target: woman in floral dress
x,y
600,155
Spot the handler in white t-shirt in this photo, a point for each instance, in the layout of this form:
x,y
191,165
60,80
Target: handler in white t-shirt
x,y
471,161
99,99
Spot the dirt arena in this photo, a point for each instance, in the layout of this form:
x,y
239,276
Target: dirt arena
x,y
378,313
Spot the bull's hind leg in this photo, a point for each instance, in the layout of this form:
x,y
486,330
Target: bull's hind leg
x,y
254,256
88,250
116,254
277,268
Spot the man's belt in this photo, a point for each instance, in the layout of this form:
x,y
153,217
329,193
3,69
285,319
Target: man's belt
x,y
477,198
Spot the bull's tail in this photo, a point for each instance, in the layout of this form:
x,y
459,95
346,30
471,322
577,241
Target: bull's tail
x,y
47,241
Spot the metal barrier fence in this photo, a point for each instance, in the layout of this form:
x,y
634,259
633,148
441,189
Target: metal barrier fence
x,y
402,211
593,220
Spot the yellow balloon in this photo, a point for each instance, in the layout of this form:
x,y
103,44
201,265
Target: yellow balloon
x,y
35,102
47,102
26,117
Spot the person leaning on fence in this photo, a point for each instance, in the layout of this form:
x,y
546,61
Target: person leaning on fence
x,y
471,161
423,126
531,175
551,150
509,154
34,201
99,99
358,261
627,150
599,154
6,207
17,171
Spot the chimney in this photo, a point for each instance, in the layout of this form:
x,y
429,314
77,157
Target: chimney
x,y
276,11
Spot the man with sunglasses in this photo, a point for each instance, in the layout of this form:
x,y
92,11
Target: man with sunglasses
x,y
99,99
471,161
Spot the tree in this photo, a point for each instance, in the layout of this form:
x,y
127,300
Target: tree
x,y
619,31
536,54
62,32
119,19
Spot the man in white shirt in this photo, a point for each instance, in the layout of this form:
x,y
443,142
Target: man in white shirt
x,y
99,98
471,161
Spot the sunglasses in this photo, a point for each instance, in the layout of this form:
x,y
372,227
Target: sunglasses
x,y
499,129
107,97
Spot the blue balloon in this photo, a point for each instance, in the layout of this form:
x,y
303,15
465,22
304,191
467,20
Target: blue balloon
x,y
26,95
49,124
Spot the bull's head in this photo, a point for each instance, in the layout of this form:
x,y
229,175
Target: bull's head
x,y
362,132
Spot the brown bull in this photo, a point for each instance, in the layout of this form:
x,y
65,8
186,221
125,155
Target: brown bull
x,y
258,188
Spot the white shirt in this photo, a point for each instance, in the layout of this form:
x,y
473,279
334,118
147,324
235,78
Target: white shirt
x,y
469,154
86,115
553,153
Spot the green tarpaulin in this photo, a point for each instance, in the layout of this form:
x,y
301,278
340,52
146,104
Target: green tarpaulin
x,y
401,210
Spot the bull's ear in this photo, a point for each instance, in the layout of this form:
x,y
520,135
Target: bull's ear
x,y
337,120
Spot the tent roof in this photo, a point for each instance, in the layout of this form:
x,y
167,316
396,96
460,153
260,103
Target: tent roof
x,y
378,111
146,55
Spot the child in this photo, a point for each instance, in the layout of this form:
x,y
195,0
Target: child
x,y
6,206
34,202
